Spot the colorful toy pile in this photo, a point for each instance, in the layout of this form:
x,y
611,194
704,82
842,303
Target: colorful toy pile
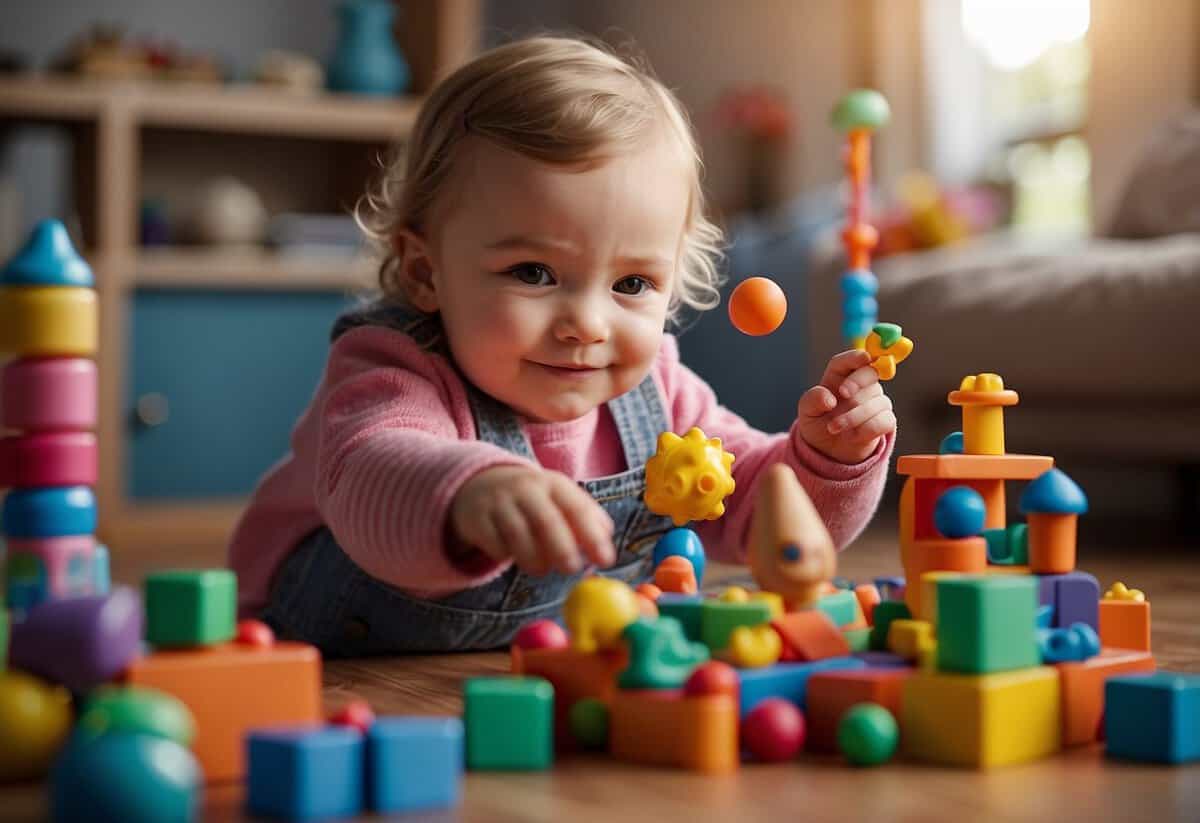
x,y
49,322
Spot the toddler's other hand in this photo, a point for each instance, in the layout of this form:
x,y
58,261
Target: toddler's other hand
x,y
540,519
846,414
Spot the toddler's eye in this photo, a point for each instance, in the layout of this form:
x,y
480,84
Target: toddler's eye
x,y
532,274
632,285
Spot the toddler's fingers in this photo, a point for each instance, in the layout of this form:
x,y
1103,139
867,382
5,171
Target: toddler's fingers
x,y
590,524
842,365
552,537
860,414
815,402
509,522
856,381
480,533
882,423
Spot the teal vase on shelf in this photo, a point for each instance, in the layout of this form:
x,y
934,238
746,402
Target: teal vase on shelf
x,y
366,59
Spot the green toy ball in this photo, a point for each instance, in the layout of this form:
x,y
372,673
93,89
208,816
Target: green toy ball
x,y
861,109
589,722
867,735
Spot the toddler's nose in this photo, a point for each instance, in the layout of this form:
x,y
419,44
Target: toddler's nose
x,y
581,322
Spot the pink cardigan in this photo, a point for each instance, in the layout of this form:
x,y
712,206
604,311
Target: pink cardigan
x,y
388,440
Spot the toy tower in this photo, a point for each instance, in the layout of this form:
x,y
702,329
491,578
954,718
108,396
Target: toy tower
x,y
49,324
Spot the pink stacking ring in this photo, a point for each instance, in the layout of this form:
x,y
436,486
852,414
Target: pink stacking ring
x,y
46,393
48,459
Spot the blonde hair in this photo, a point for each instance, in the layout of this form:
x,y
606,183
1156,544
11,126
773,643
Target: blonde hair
x,y
554,99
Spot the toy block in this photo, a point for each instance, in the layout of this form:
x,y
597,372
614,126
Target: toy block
x,y
1082,685
79,642
101,580
233,688
1052,504
1153,717
48,394
929,583
48,321
414,763
509,723
718,620
753,646
1075,597
986,624
26,583
48,459
63,564
810,635
927,491
676,574
1008,546
660,657
47,258
832,694
967,555
881,659
885,613
122,777
305,773
574,676
868,598
982,720
186,608
1125,624
910,638
681,542
983,398
665,728
786,680
688,609
858,639
973,467
790,551
596,612
52,512
890,588
841,606
35,720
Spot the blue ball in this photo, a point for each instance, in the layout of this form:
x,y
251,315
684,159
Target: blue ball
x,y
959,512
951,444
684,543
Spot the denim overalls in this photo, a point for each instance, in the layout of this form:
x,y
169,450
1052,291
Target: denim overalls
x,y
322,597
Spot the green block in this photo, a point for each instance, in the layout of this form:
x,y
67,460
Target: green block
x,y
1008,547
191,608
720,619
859,639
687,611
137,710
985,624
841,606
509,723
660,656
885,612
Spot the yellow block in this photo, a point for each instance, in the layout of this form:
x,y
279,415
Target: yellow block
x,y
49,320
981,720
908,638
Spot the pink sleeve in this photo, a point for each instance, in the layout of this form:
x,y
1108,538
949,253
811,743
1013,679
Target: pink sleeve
x,y
397,441
846,496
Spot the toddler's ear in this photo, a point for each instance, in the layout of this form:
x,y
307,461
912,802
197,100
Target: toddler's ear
x,y
415,270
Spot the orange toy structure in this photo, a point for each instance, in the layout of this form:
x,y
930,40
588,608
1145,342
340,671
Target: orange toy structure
x,y
233,688
575,675
831,694
689,477
757,306
1125,624
1083,690
667,728
790,552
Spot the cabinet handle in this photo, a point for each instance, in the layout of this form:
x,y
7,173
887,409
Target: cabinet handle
x,y
152,410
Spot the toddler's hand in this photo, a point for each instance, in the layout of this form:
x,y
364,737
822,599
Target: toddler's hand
x,y
540,519
846,414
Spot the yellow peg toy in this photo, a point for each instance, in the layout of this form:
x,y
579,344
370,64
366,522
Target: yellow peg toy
x,y
689,477
983,398
888,348
790,552
1120,591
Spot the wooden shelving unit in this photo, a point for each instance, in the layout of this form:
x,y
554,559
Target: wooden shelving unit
x,y
116,130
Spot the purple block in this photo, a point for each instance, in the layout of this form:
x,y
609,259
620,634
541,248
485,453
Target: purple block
x,y
1075,597
81,641
881,660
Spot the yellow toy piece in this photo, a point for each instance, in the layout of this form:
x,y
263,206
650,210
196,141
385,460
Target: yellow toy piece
x,y
773,600
888,348
734,594
908,638
35,718
689,477
1120,591
49,321
982,720
596,612
790,551
983,398
753,647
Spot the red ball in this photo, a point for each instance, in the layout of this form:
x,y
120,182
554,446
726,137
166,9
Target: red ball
x,y
757,306
254,633
773,730
356,713
713,677
541,634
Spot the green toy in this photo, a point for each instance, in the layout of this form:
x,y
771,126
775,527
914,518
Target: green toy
x,y
718,619
589,722
136,710
885,613
985,624
1008,546
190,607
841,606
688,610
861,109
858,639
509,723
867,734
660,656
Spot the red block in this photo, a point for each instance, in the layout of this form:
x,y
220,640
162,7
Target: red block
x,y
48,459
832,694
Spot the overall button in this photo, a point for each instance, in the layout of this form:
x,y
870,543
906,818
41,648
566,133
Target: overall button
x,y
520,598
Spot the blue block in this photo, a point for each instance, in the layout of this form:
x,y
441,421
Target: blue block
x,y
305,773
48,259
1153,717
48,512
1075,597
786,680
414,763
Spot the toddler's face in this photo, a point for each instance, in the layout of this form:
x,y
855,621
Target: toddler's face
x,y
553,283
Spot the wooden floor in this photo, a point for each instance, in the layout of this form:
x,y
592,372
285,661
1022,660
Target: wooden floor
x,y
1079,785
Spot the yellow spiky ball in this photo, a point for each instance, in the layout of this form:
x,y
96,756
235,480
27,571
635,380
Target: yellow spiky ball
x,y
689,477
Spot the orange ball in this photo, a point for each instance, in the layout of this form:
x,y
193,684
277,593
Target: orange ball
x,y
757,306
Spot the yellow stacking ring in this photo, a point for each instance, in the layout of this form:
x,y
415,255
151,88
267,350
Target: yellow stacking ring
x,y
48,320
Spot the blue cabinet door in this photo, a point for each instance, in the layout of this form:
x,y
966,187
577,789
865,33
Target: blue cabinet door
x,y
217,380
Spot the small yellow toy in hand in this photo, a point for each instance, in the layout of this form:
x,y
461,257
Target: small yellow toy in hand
x,y
888,349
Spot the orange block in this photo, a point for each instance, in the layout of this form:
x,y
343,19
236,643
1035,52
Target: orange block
x,y
675,574
968,554
574,675
810,635
975,466
664,728
831,694
1052,542
1125,624
1082,689
868,599
232,689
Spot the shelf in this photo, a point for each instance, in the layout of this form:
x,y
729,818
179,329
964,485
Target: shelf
x,y
251,269
244,109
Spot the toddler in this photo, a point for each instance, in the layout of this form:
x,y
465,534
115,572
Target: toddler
x,y
478,438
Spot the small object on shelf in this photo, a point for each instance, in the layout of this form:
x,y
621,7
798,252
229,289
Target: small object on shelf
x,y
366,59
227,212
290,71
